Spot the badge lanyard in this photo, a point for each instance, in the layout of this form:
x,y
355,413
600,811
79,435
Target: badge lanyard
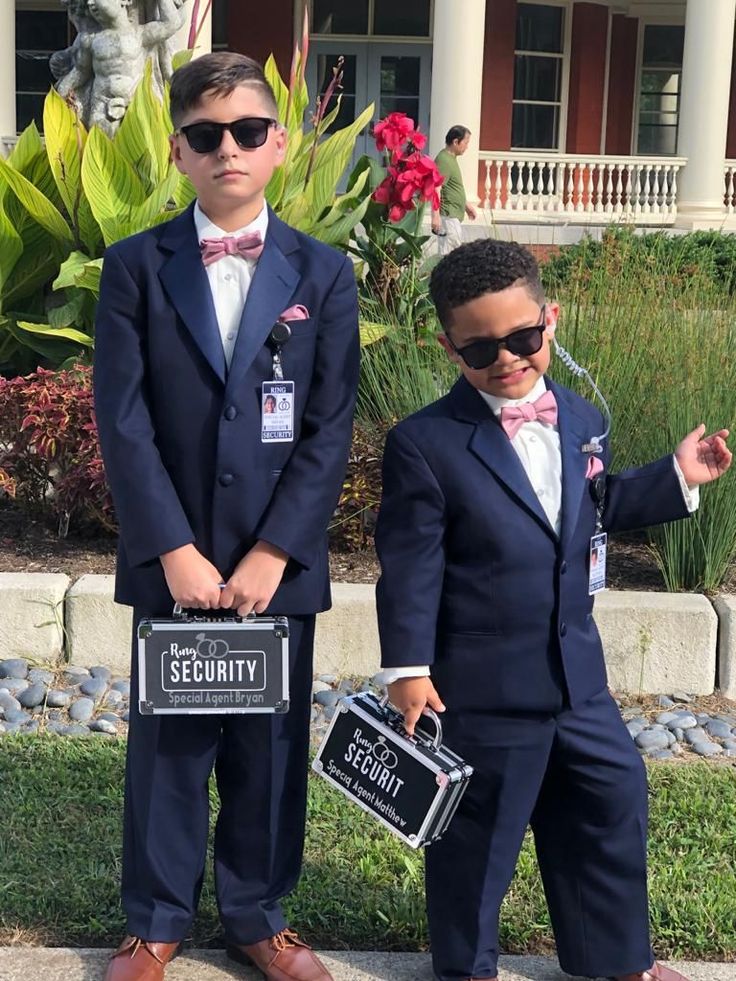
x,y
599,541
277,395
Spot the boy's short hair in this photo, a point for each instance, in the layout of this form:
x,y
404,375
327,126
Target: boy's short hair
x,y
218,73
456,133
486,265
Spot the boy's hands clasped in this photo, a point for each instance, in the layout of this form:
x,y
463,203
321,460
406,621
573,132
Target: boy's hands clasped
x,y
195,583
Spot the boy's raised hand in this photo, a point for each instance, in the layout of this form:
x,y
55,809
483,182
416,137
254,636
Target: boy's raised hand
x,y
192,579
256,578
411,696
703,458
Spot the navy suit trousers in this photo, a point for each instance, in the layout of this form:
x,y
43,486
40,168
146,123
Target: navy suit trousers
x,y
577,778
260,763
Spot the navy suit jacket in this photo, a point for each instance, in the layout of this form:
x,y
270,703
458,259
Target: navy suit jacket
x,y
181,434
475,582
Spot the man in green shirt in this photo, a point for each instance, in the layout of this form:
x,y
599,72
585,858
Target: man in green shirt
x,y
454,205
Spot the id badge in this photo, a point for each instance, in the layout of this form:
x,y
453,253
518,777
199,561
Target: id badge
x,y
597,564
277,412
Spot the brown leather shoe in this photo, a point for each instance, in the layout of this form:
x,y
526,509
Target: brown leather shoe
x,y
140,960
657,972
281,958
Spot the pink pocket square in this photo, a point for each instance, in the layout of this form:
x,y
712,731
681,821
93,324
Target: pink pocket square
x,y
595,466
297,312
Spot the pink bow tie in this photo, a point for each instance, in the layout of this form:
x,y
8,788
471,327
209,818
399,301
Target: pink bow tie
x,y
248,246
543,409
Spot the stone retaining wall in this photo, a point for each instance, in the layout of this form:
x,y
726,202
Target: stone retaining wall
x,y
654,642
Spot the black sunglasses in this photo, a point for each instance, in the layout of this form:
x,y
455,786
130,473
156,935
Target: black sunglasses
x,y
482,354
249,132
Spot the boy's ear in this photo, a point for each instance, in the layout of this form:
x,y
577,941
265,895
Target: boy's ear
x,y
449,349
281,141
551,313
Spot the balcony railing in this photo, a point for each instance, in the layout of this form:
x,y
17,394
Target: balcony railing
x,y
583,189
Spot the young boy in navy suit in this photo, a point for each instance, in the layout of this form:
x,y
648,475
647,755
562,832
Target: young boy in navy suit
x,y
214,515
491,502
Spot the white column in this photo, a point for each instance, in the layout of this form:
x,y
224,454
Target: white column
x,y
457,79
706,87
7,71
204,42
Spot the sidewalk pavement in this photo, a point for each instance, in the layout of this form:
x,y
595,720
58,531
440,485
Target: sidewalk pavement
x,y
60,964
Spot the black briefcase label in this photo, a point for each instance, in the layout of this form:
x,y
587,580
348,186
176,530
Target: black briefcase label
x,y
213,666
411,786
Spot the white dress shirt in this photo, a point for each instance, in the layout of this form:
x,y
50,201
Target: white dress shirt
x,y
537,444
229,277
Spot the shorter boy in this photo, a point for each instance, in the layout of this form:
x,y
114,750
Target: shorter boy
x,y
484,536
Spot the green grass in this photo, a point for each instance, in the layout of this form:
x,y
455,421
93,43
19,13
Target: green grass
x,y
60,828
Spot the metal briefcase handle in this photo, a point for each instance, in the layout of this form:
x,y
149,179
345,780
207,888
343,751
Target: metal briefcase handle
x,y
182,613
435,743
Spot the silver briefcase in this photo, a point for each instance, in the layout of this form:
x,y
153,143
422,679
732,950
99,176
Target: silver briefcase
x,y
411,785
197,664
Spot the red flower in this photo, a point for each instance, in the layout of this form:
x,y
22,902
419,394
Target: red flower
x,y
390,133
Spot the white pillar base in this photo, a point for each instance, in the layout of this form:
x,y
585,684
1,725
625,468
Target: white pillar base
x,y
7,75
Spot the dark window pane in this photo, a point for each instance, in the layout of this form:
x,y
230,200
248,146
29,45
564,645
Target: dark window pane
x,y
537,79
41,30
408,18
28,108
400,76
657,140
340,17
663,44
539,27
219,24
534,127
32,72
400,104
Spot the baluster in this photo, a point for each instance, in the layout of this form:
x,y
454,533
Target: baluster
x,y
673,190
570,202
548,189
609,189
588,196
619,201
487,185
600,168
560,187
661,186
647,209
730,192
629,188
509,185
580,187
497,200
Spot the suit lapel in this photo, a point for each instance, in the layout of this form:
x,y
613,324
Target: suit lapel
x,y
490,444
573,433
272,287
184,278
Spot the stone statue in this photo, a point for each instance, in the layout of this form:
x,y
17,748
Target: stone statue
x,y
114,40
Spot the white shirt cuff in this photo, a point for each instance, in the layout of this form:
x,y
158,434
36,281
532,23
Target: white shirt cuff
x,y
690,495
389,675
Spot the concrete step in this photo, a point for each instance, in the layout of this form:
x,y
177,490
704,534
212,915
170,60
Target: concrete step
x,y
60,964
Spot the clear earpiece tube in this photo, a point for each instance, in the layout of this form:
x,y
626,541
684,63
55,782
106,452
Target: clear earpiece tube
x,y
595,444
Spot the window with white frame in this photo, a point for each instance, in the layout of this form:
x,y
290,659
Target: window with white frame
x,y
538,70
659,89
377,18
38,34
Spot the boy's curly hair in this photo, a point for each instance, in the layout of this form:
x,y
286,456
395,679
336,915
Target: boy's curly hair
x,y
486,265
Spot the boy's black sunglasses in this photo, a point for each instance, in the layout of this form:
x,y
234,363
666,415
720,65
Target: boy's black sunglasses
x,y
482,354
249,132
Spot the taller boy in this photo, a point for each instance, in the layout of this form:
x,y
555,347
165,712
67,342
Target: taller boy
x,y
212,516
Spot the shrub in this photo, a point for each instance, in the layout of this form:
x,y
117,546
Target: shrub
x,y
354,521
50,460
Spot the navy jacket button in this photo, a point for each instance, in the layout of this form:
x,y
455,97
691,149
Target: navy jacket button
x,y
563,629
230,413
563,568
226,479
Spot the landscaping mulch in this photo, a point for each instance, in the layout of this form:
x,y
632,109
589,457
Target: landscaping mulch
x,y
28,545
